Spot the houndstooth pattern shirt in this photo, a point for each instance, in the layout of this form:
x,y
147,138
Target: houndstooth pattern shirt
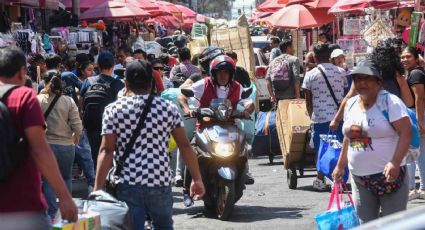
x,y
148,162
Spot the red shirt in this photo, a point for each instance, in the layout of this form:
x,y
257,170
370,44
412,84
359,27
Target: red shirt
x,y
158,81
172,61
22,191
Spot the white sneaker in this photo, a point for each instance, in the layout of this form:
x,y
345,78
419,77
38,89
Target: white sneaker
x,y
413,194
320,185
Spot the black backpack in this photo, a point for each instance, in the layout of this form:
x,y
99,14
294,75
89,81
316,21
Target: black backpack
x,y
97,97
178,78
12,147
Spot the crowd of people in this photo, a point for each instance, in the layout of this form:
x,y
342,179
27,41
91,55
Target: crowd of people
x,y
81,109
98,108
368,109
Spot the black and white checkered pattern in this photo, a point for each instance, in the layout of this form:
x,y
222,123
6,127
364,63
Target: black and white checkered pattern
x,y
148,163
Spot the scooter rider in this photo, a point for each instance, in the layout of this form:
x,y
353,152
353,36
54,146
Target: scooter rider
x,y
219,85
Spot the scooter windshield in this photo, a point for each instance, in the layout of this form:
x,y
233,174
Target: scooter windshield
x,y
222,108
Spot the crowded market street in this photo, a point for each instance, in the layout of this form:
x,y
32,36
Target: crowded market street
x,y
212,114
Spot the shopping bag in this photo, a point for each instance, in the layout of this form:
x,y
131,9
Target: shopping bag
x,y
327,159
339,215
114,214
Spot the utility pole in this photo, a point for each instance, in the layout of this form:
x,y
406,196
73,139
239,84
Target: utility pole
x,y
76,8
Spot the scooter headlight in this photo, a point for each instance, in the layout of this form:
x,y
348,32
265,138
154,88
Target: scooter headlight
x,y
224,149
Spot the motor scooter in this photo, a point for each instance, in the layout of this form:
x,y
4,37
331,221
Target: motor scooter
x,y
222,154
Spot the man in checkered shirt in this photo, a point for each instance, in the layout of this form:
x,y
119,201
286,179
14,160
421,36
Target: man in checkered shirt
x,y
146,179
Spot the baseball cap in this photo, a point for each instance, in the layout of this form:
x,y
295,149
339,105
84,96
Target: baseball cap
x,y
336,53
138,72
367,67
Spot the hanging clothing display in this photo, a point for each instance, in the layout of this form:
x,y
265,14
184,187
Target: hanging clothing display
x,y
23,40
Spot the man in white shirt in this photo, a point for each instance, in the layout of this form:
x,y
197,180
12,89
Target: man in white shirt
x,y
321,104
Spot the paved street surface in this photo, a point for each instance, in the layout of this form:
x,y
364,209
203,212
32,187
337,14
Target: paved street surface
x,y
268,204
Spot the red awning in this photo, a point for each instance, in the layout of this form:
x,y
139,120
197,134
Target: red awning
x,y
43,4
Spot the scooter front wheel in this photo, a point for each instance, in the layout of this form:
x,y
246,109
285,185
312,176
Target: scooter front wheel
x,y
225,199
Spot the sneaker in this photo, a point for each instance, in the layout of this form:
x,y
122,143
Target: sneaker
x,y
249,179
187,200
320,185
413,194
178,181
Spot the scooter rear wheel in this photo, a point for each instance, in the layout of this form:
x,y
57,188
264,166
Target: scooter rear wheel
x,y
225,199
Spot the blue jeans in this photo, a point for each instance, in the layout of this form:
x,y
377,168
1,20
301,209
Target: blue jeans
x,y
323,128
421,166
65,158
84,159
142,200
94,139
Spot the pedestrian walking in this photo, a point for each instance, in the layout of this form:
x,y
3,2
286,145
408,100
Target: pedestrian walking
x,y
283,74
146,177
275,50
377,136
97,92
324,90
22,205
64,129
416,80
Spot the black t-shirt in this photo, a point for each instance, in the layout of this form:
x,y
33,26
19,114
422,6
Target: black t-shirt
x,y
242,76
416,76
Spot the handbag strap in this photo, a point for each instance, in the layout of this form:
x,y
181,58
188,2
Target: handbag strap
x,y
329,86
52,104
136,133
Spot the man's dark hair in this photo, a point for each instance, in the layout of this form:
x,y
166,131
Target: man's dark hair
x,y
53,61
322,52
164,57
334,46
105,60
275,40
138,74
184,54
11,61
126,50
284,45
232,54
34,58
195,59
156,61
140,51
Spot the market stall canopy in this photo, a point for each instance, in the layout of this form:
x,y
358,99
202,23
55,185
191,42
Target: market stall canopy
x,y
169,6
43,4
187,13
169,21
270,6
299,17
87,4
321,4
359,5
293,2
114,10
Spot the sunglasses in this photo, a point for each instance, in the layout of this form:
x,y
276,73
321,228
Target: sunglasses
x,y
158,68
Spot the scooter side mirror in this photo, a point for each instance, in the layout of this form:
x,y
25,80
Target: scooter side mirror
x,y
246,93
187,92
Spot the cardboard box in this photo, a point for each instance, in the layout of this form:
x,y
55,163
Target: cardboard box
x,y
198,44
88,221
292,125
